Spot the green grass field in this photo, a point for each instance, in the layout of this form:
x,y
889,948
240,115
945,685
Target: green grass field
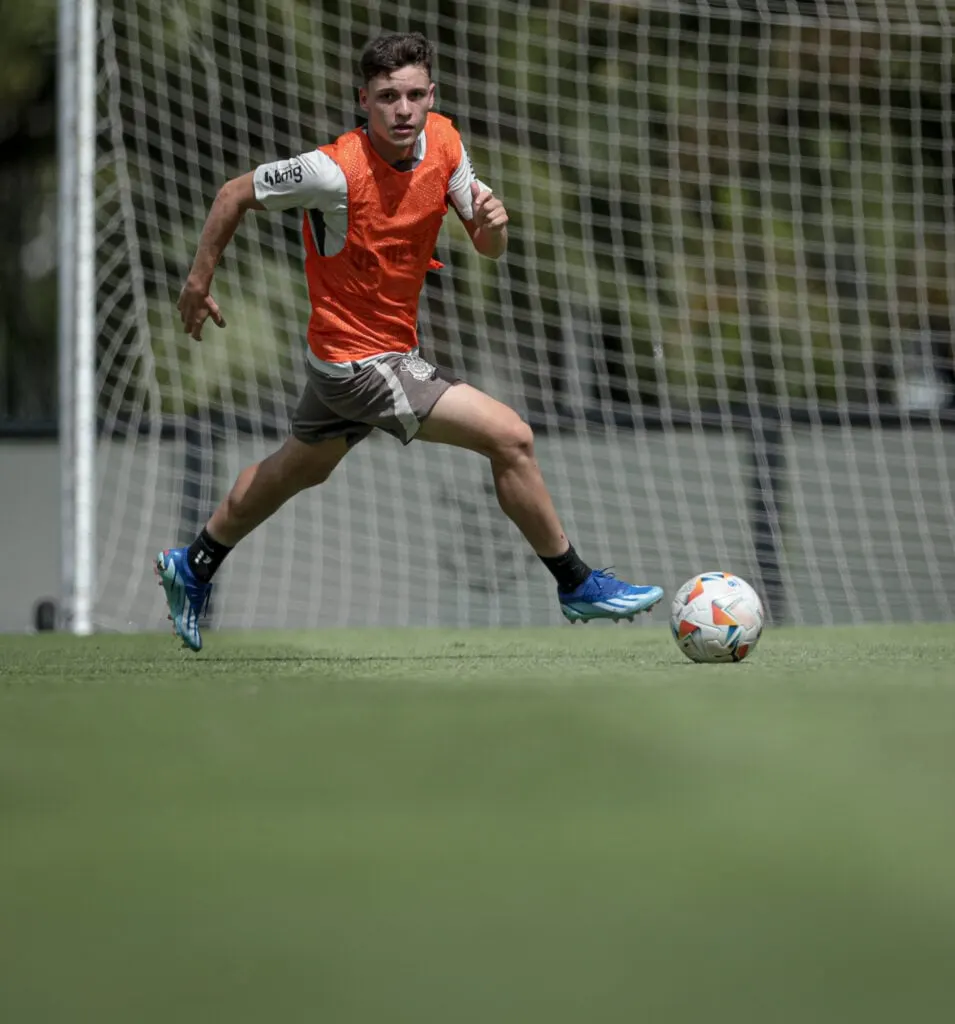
x,y
567,825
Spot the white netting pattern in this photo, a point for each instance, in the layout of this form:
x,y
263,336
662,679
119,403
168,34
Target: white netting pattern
x,y
726,307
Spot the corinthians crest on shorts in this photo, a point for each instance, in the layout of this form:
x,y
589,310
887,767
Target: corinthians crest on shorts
x,y
419,368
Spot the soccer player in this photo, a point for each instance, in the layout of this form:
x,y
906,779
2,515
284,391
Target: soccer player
x,y
373,202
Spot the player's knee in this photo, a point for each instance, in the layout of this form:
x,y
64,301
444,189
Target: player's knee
x,y
298,474
515,442
292,478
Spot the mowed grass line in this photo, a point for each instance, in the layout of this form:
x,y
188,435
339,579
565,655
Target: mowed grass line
x,y
512,825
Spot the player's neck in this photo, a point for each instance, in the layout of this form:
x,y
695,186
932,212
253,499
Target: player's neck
x,y
389,152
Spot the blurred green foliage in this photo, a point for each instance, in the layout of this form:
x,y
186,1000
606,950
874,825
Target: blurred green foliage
x,y
27,196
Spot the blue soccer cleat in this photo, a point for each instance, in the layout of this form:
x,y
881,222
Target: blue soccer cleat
x,y
603,596
188,599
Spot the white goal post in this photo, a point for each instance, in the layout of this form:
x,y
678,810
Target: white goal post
x,y
76,157
727,308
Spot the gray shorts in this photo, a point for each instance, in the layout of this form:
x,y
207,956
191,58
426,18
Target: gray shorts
x,y
394,392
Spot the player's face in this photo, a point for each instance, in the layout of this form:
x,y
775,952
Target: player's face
x,y
397,106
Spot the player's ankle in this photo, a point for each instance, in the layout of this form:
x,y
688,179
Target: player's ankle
x,y
205,556
567,569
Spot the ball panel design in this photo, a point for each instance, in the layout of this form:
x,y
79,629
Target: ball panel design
x,y
716,617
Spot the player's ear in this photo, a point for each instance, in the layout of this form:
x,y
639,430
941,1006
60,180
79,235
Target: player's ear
x,y
431,97
363,98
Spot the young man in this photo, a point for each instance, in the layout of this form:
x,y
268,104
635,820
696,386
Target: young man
x,y
373,204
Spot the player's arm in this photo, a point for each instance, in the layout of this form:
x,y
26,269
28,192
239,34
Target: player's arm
x,y
482,213
309,181
196,305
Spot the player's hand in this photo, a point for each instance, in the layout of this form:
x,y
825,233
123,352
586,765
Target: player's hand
x,y
489,212
196,305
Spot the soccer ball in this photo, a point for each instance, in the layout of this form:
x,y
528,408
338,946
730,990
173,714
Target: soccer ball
x,y
716,617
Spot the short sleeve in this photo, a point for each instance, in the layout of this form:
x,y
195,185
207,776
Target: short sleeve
x,y
459,187
311,181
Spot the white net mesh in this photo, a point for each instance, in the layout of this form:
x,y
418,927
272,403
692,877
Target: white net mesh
x,y
726,307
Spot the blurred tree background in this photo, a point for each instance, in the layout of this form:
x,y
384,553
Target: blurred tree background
x,y
28,210
743,201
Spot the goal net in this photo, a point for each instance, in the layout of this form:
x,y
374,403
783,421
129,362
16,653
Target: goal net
x,y
726,308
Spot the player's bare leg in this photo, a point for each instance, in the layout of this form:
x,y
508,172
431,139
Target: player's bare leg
x,y
467,418
262,489
259,491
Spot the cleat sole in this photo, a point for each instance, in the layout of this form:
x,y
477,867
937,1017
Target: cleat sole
x,y
573,616
586,611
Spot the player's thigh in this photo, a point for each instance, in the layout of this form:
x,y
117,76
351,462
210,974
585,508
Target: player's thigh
x,y
468,418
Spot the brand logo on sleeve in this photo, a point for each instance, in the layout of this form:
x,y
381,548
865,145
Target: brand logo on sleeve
x,y
281,173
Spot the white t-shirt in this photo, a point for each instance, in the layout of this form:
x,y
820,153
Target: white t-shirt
x,y
313,181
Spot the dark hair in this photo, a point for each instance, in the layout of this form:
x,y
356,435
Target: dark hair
x,y
388,53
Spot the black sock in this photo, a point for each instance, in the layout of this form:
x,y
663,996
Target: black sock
x,y
567,569
205,556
